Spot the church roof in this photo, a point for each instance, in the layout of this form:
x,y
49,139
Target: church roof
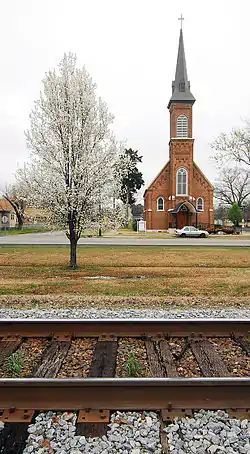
x,y
181,85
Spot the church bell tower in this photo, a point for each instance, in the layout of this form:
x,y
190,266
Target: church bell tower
x,y
180,194
181,131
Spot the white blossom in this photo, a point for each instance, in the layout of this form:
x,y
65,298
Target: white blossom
x,y
73,151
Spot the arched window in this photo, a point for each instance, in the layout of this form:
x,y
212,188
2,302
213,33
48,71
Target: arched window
x,y
160,204
200,204
181,182
182,126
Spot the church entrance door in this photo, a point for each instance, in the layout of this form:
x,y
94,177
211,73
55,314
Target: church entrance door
x,y
183,217
184,214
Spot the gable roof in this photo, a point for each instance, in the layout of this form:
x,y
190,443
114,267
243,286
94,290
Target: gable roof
x,y
157,176
204,176
5,205
165,166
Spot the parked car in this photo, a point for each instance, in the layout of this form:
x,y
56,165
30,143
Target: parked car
x,y
192,232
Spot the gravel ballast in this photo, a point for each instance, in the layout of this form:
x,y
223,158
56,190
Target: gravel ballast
x,y
128,433
125,313
209,432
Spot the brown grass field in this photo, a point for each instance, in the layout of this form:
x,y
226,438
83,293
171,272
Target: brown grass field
x,y
167,271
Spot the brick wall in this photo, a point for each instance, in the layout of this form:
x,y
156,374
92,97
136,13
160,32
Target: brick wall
x,y
164,185
175,111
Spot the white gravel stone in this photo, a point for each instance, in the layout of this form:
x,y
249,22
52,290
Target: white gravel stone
x,y
134,434
124,313
210,432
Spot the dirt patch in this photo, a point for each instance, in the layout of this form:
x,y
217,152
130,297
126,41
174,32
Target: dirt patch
x,y
186,365
50,301
78,359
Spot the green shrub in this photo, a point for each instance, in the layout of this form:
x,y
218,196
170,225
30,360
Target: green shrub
x,y
15,363
235,214
133,225
132,368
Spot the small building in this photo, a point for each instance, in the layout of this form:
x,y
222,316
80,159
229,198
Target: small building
x,y
180,194
7,215
137,211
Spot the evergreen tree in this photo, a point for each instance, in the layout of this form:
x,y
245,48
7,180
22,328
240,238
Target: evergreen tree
x,y
235,214
132,181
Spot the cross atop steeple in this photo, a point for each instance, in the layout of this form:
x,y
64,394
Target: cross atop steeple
x,y
181,85
181,19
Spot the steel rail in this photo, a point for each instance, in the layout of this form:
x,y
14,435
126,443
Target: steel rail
x,y
120,327
118,393
126,394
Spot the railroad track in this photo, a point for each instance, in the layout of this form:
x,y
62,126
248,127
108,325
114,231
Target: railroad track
x,y
101,392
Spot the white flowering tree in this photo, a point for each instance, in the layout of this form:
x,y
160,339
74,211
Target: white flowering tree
x,y
72,150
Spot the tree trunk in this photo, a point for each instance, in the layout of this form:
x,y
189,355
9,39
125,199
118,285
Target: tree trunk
x,y
127,208
73,244
18,211
100,215
73,237
19,220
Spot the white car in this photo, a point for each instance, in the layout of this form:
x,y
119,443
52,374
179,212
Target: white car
x,y
192,232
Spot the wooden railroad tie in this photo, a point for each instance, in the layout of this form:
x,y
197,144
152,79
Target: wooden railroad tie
x,y
15,432
208,359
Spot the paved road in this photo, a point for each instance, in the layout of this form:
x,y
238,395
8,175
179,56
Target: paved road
x,y
59,238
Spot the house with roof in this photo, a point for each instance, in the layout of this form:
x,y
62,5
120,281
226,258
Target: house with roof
x,y
8,217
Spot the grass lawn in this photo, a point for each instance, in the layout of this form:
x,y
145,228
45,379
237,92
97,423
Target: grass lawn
x,y
21,232
167,271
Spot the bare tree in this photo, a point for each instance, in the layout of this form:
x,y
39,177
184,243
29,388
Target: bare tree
x,y
221,211
232,186
233,147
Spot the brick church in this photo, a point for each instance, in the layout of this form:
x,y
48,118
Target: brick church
x,y
180,194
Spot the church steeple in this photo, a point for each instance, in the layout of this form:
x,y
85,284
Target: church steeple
x,y
181,86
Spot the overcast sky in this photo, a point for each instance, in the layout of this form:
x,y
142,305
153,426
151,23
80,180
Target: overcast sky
x,y
130,49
